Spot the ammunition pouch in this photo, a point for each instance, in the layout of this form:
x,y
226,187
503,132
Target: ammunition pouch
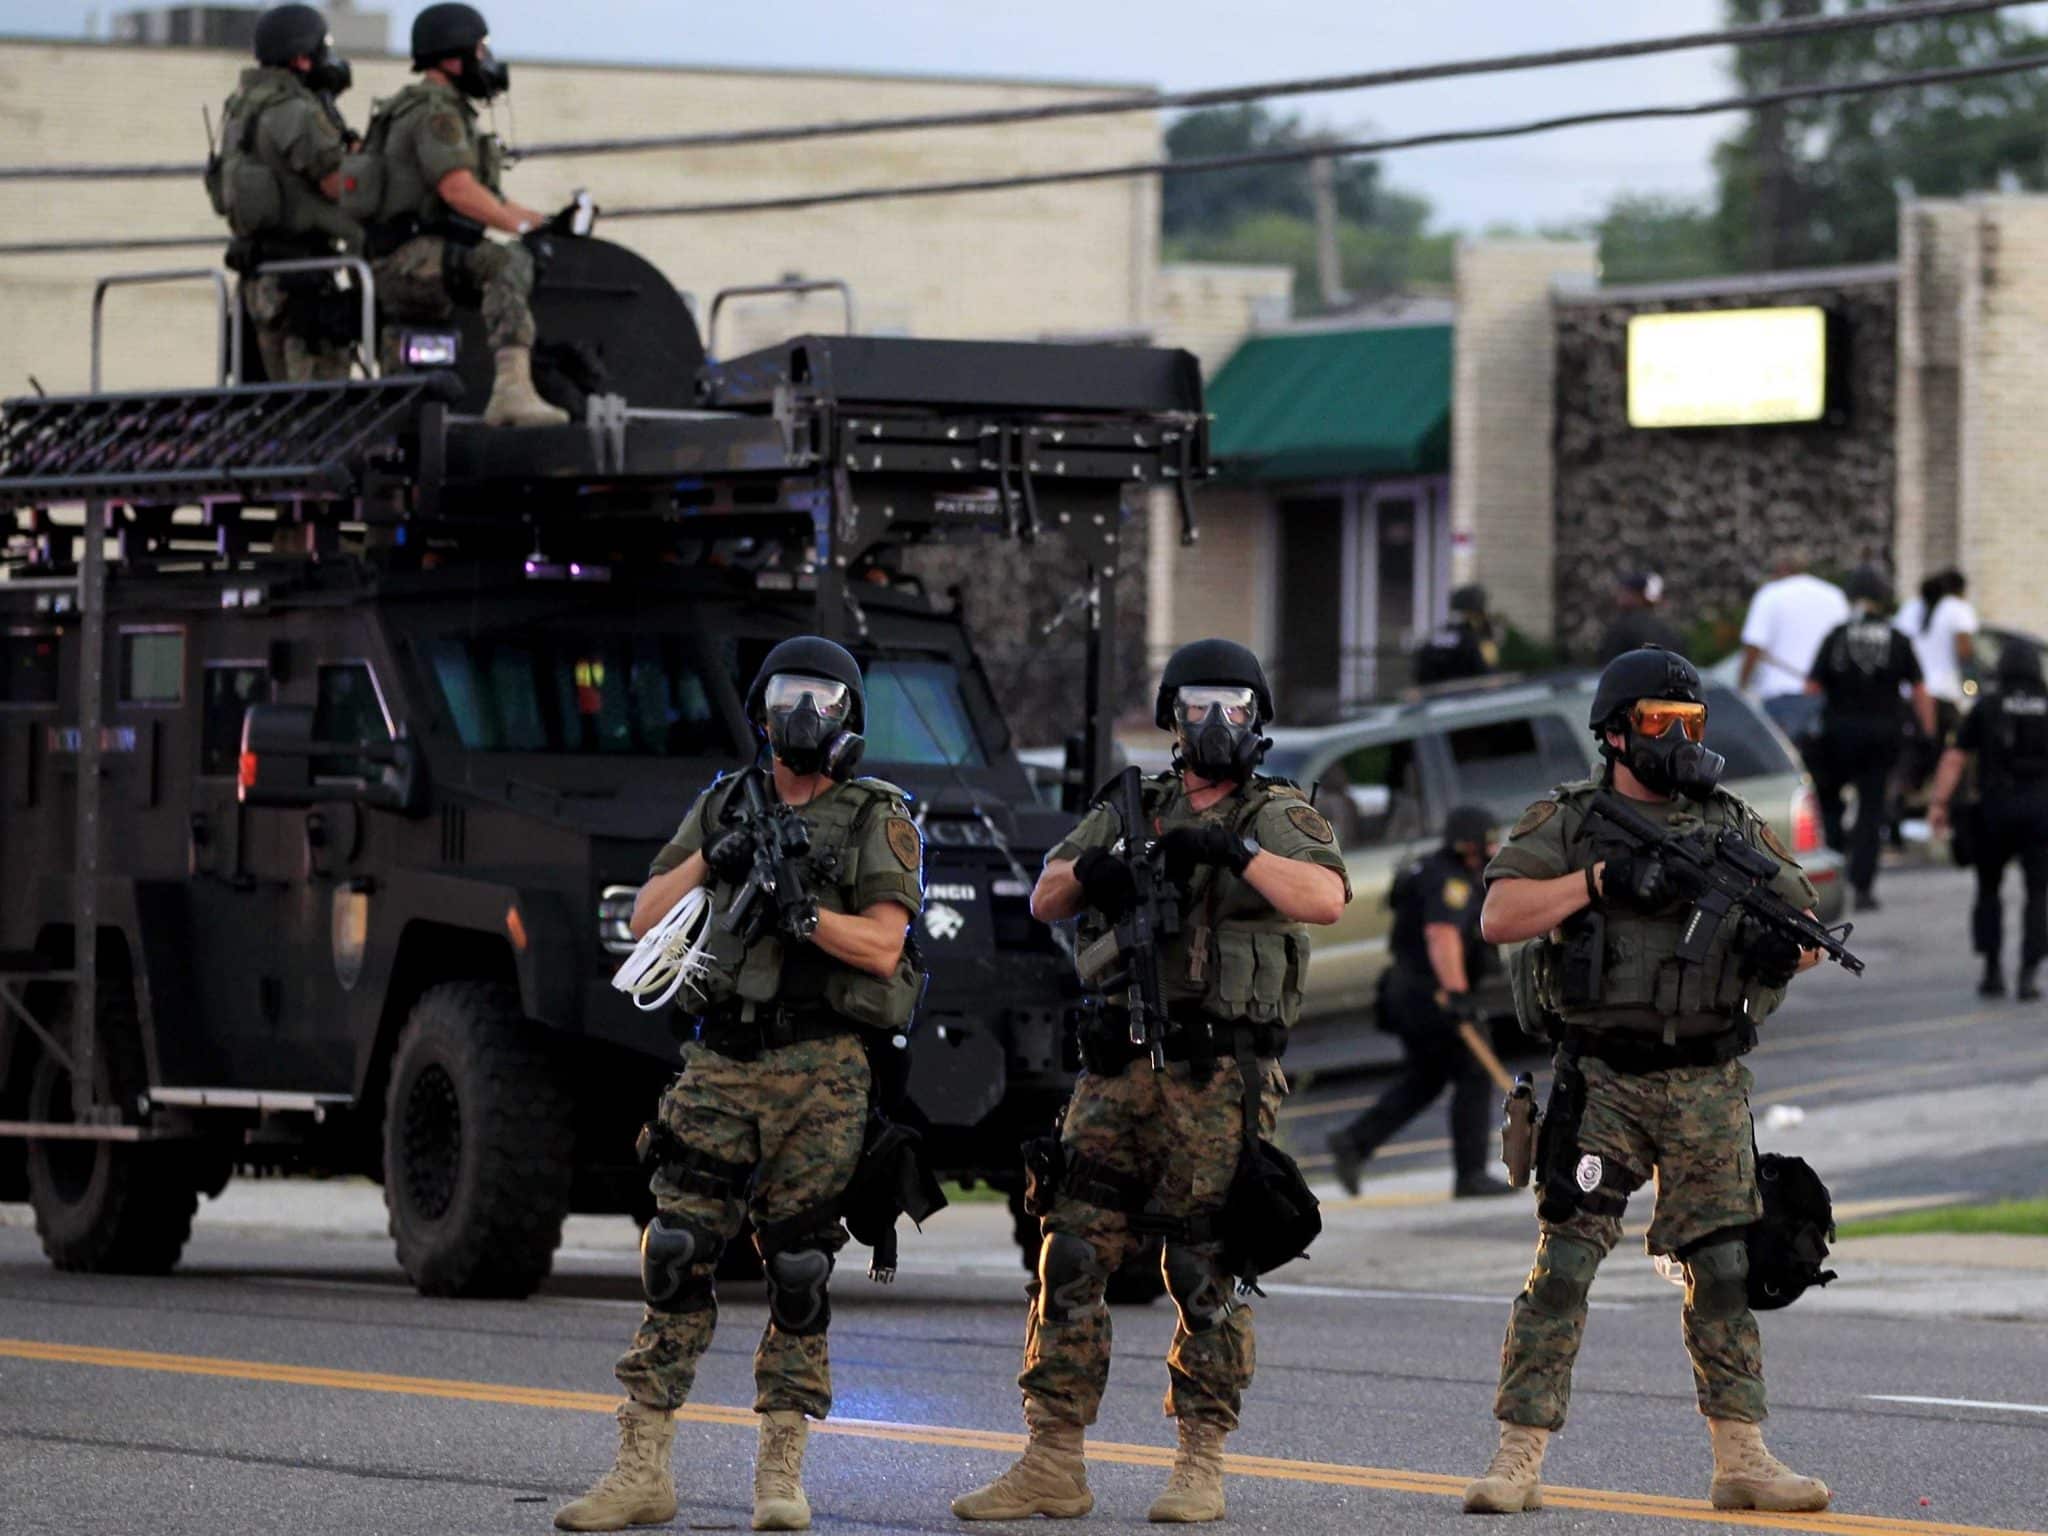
x,y
691,1168
254,197
1532,979
887,1004
1582,965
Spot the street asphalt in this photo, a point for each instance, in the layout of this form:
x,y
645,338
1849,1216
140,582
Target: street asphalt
x,y
287,1379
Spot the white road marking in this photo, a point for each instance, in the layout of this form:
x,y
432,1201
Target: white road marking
x,y
1957,1402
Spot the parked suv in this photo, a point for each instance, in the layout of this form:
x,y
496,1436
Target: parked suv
x,y
1386,777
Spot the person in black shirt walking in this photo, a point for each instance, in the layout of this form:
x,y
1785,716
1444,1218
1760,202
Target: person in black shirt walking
x,y
1438,955
1863,669
2008,735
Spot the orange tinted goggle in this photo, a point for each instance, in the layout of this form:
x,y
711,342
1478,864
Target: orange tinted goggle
x,y
1656,717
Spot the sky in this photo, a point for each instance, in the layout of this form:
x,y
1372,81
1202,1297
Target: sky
x,y
1187,44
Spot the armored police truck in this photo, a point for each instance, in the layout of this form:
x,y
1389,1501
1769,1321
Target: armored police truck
x,y
329,774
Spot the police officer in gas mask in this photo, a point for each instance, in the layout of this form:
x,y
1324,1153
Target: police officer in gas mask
x,y
1652,1043
767,1121
1253,863
2007,735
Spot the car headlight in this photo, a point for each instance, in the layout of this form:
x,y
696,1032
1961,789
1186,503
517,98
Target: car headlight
x,y
615,918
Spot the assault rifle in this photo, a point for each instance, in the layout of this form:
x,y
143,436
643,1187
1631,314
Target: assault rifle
x,y
774,893
1721,872
1126,959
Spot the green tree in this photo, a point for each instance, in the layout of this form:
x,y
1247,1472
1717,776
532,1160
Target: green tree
x,y
1651,239
1814,183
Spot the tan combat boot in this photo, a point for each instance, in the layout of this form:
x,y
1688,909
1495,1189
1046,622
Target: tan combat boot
x,y
1194,1492
1049,1479
1746,1476
514,401
779,1502
639,1489
1513,1480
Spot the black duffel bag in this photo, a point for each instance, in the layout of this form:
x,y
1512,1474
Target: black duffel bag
x,y
1271,1216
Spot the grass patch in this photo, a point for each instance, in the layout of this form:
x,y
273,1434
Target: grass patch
x,y
981,1194
2026,1218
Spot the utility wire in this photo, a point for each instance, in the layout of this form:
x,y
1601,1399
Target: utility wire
x,y
1152,101
1930,77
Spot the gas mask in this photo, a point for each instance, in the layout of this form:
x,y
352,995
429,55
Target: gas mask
x,y
807,725
1667,751
484,76
1219,727
330,75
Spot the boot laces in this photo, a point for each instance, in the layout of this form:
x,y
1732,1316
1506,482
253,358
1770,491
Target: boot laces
x,y
1517,1458
782,1450
1198,1458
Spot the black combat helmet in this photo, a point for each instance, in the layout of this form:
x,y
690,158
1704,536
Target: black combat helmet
x,y
812,656
1468,824
287,32
441,30
1469,599
1222,662
1648,673
806,739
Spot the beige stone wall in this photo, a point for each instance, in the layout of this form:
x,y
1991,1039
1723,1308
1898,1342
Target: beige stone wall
x,y
2002,452
1934,248
1209,307
1070,259
1503,521
1222,584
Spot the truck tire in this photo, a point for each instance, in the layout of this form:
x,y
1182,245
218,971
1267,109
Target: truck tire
x,y
478,1146
107,1207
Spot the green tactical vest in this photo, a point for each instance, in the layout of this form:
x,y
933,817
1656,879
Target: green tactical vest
x,y
379,187
250,187
773,969
1235,957
1645,988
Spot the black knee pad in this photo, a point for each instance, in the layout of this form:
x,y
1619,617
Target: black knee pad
x,y
1563,1274
1070,1278
1199,1289
799,1294
1717,1281
677,1260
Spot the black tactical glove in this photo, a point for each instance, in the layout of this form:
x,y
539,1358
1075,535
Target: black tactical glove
x,y
1768,955
1106,882
799,920
1189,848
730,855
1636,881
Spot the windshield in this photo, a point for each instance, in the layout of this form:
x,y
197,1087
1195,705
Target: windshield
x,y
917,714
585,693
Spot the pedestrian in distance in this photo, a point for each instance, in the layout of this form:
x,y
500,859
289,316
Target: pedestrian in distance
x,y
768,1118
1463,645
276,179
1943,628
1863,675
1788,618
1637,621
430,189
1649,1080
2007,736
1155,1148
1438,958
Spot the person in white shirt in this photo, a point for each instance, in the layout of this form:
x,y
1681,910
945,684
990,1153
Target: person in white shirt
x,y
1788,619
1942,626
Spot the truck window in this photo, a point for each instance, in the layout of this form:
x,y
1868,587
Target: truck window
x,y
152,666
917,714
1505,765
347,709
557,691
227,689
1373,795
28,666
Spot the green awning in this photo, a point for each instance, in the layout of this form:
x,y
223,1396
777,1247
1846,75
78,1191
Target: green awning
x,y
1319,404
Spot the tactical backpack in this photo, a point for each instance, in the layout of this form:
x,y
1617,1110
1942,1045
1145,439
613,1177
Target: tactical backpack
x,y
242,188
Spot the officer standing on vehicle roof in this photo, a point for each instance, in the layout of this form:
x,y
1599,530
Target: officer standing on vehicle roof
x,y
768,1118
1652,1041
1252,862
1859,673
435,188
1463,645
2007,733
276,178
1438,957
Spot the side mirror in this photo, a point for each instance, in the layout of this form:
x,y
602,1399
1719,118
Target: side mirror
x,y
280,755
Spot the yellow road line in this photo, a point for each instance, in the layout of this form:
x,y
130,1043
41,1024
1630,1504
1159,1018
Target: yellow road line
x,y
1271,1468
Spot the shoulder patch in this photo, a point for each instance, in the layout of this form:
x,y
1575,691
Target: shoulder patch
x,y
1533,818
904,841
1457,894
446,127
1309,822
1771,842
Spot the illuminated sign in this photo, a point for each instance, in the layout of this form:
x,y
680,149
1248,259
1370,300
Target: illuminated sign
x,y
1727,367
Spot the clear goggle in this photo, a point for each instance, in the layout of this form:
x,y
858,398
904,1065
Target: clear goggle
x,y
1656,717
787,690
1239,705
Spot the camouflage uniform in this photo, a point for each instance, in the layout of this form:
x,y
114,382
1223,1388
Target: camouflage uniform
x,y
794,1113
426,132
1234,961
1687,1125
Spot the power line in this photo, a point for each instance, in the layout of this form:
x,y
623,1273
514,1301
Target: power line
x,y
1293,155
1150,101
